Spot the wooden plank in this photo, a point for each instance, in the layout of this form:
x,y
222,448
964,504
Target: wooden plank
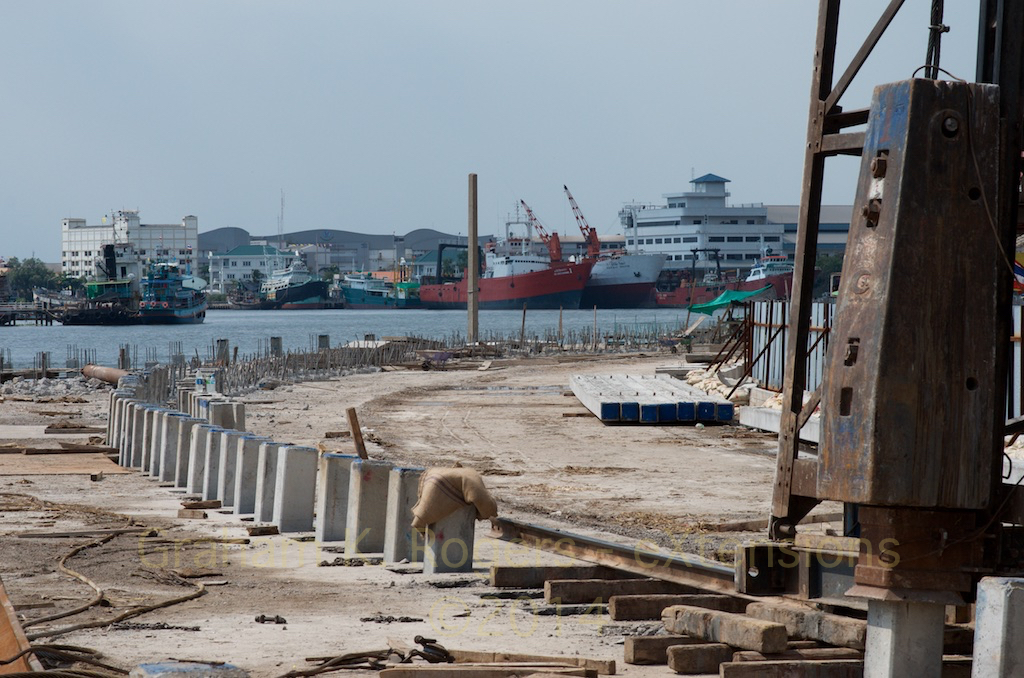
x,y
578,591
357,433
695,659
482,670
641,607
191,514
810,624
810,653
605,667
842,668
503,576
724,627
203,504
653,650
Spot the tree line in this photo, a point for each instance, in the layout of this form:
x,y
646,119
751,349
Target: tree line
x,y
24,276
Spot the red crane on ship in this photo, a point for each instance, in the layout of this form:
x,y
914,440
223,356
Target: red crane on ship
x,y
554,244
589,234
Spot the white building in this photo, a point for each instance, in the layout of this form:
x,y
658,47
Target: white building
x,y
82,245
701,219
237,266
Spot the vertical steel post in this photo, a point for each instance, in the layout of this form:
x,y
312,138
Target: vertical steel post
x,y
473,266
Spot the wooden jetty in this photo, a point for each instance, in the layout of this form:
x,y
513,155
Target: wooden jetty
x,y
37,314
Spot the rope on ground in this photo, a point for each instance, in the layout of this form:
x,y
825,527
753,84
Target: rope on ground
x,y
96,600
200,591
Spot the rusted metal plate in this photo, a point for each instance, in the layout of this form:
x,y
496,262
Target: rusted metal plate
x,y
911,382
12,639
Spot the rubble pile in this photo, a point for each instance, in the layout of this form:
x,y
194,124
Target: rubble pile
x,y
711,383
52,388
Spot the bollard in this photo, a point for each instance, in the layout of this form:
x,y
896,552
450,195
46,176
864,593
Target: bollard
x,y
294,487
333,478
211,472
367,507
401,542
183,450
197,457
228,462
246,464
449,543
266,480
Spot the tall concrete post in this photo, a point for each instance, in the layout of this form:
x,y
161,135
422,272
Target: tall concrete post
x,y
473,266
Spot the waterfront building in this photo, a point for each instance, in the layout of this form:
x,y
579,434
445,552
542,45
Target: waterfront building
x,y
236,266
701,219
82,244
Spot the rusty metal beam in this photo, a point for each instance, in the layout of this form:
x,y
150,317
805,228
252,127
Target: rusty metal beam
x,y
862,54
682,568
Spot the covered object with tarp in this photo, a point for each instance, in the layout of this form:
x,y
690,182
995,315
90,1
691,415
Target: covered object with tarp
x,y
726,298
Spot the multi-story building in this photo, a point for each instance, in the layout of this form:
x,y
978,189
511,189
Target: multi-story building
x,y
701,219
82,245
237,266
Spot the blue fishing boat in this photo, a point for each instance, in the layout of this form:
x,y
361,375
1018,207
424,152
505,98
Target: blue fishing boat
x,y
169,297
363,291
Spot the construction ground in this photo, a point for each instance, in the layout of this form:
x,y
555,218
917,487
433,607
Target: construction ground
x,y
544,459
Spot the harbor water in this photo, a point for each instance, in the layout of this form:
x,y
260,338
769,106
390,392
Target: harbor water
x,y
250,331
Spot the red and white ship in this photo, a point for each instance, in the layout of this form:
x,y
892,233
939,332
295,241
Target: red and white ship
x,y
618,280
512,279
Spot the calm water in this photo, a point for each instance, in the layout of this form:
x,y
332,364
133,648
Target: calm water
x,y
247,329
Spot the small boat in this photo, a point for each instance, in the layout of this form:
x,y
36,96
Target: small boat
x,y
363,291
169,297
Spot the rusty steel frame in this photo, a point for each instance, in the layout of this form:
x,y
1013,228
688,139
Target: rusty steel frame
x,y
1000,61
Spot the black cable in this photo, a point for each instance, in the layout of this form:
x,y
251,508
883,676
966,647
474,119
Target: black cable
x,y
935,31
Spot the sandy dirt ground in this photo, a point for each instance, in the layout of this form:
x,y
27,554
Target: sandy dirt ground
x,y
653,484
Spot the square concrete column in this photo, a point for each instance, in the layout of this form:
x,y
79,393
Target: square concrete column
x,y
450,542
222,413
156,444
238,415
999,628
227,464
333,478
124,444
138,426
183,452
367,507
246,465
295,488
148,424
266,481
169,446
904,639
197,457
401,542
211,472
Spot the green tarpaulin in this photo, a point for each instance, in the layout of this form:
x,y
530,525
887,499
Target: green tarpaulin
x,y
726,298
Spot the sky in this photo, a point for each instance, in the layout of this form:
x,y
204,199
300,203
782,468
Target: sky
x,y
368,115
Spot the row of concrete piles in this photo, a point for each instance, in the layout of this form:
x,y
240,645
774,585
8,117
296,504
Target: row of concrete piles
x,y
203,449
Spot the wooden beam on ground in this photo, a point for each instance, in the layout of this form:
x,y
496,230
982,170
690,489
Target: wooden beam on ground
x,y
810,653
534,577
806,623
696,659
605,667
641,607
357,433
842,668
482,670
574,591
13,640
648,650
760,524
737,630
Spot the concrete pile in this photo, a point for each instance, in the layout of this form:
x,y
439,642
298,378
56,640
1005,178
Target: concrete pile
x,y
202,448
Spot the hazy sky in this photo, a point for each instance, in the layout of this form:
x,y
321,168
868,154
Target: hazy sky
x,y
370,114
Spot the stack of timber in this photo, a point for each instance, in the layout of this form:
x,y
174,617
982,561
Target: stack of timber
x,y
658,399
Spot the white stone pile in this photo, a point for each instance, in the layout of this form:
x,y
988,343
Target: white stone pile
x,y
709,382
52,388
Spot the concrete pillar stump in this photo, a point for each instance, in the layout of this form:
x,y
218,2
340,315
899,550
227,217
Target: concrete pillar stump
x,y
333,479
449,543
401,542
266,481
367,507
295,488
245,473
999,628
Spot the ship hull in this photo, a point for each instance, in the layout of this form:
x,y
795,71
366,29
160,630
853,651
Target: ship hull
x,y
560,286
360,300
192,315
685,295
312,294
626,281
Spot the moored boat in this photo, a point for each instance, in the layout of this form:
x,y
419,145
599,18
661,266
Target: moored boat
x,y
363,291
774,272
169,297
623,281
293,288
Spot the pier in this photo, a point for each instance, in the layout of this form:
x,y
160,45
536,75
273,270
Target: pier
x,y
34,313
